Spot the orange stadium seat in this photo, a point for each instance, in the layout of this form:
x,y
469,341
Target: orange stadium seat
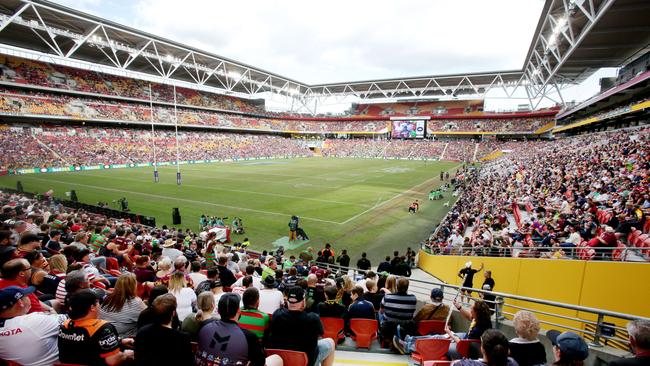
x,y
463,346
430,350
293,358
364,331
332,327
426,327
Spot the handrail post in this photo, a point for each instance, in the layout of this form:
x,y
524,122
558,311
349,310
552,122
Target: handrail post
x,y
598,332
498,310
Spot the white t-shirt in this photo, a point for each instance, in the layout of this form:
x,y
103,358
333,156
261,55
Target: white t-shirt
x,y
31,339
197,277
257,282
270,300
172,253
184,300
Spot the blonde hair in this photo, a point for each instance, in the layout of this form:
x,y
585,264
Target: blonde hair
x,y
59,263
165,264
205,303
391,284
176,282
125,290
526,325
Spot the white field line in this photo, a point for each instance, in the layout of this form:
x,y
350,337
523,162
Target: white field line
x,y
410,190
184,200
236,190
259,173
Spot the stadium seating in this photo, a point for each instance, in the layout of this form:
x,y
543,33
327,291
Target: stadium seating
x,y
289,357
332,327
431,327
364,331
430,350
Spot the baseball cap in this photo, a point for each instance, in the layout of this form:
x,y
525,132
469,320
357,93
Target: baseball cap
x,y
572,346
9,296
437,294
295,294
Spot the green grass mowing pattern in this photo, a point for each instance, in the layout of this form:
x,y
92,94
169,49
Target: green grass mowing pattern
x,y
358,204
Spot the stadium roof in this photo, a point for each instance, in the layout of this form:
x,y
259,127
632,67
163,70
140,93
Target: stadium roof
x,y
573,38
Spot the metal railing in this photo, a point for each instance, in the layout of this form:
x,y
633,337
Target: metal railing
x,y
627,254
602,329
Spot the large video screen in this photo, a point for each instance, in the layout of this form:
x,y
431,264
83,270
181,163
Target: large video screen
x,y
406,129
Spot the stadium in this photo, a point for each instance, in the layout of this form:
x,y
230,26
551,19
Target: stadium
x,y
163,204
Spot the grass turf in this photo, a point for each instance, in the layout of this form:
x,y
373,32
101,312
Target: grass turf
x,y
357,204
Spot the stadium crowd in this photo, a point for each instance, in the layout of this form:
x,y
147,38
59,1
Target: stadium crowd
x,y
86,289
577,192
487,125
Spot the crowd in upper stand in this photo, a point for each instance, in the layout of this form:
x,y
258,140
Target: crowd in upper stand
x,y
587,191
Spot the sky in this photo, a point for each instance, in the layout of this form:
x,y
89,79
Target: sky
x,y
331,41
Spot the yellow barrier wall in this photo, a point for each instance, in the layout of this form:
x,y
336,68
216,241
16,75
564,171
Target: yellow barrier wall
x,y
616,286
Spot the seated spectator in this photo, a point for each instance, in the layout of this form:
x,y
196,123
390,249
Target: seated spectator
x,y
396,309
315,294
331,308
494,349
206,305
224,339
226,276
85,339
153,339
148,315
639,337
196,275
17,272
27,339
185,296
271,299
360,308
143,271
252,319
569,348
247,282
434,311
373,294
294,329
526,349
213,274
122,307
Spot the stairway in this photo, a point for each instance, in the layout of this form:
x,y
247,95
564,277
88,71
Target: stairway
x,y
50,150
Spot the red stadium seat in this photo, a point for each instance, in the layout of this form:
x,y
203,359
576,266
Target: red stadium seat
x,y
363,331
195,347
430,350
617,254
632,236
436,363
112,263
293,358
332,328
426,327
638,242
463,346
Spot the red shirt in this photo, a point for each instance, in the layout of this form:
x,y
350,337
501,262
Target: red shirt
x,y
36,304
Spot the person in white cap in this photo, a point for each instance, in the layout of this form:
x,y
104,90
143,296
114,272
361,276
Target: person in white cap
x,y
467,274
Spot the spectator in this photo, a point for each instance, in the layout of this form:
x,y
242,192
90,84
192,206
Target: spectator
x,y
271,299
252,319
526,349
17,272
385,266
213,274
196,275
397,309
569,348
27,339
159,343
85,339
148,315
192,323
494,348
331,308
293,328
122,307
373,294
639,337
434,311
344,259
226,340
488,285
402,268
360,308
185,296
467,275
226,276
363,263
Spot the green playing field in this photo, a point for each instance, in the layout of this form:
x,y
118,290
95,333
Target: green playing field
x,y
358,204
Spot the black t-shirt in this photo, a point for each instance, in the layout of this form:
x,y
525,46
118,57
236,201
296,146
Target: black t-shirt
x,y
469,276
87,342
331,310
528,354
344,260
226,277
158,345
363,264
297,331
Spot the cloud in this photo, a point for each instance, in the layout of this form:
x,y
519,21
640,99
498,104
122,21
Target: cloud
x,y
317,42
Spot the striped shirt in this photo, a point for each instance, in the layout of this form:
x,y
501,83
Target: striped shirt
x,y
255,321
399,307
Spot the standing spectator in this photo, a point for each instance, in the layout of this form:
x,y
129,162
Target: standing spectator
x,y
122,307
251,318
639,336
224,339
293,328
271,299
526,349
569,348
467,275
153,339
394,262
488,285
402,268
185,296
328,253
363,263
85,339
344,259
384,266
27,339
